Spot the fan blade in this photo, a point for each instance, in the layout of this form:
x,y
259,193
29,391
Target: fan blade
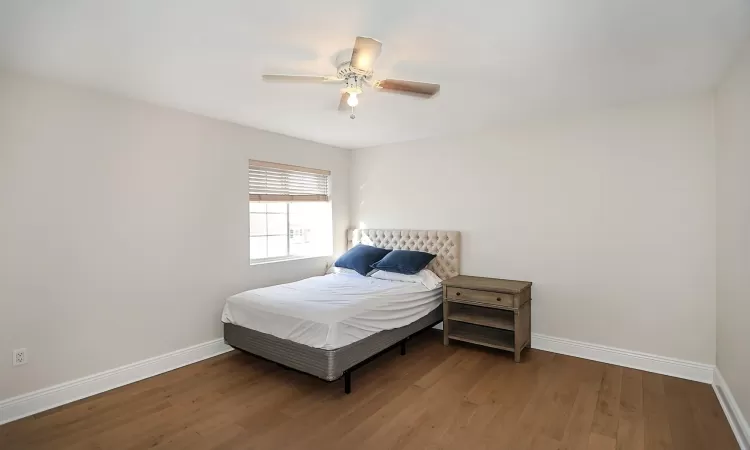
x,y
302,78
343,106
415,88
366,51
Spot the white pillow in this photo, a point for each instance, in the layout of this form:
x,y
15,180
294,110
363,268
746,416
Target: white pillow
x,y
342,270
425,277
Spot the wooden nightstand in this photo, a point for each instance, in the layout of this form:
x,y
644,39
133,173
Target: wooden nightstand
x,y
488,311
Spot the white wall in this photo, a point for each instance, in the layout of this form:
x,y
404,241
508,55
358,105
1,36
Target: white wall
x,y
733,228
123,227
611,215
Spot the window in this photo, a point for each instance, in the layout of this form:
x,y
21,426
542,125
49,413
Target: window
x,y
290,212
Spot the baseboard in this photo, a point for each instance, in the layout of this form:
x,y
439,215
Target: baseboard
x,y
734,415
27,404
636,360
674,367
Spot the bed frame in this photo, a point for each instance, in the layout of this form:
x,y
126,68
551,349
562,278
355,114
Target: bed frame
x,y
331,365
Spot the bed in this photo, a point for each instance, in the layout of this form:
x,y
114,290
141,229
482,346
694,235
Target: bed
x,y
328,326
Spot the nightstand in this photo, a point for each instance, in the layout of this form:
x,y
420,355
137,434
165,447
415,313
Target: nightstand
x,y
488,311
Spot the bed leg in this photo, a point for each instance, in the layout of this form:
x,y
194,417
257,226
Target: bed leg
x,y
403,347
347,382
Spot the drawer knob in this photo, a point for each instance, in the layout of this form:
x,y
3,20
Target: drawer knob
x,y
458,293
499,299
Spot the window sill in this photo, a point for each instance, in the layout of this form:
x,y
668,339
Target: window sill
x,y
258,262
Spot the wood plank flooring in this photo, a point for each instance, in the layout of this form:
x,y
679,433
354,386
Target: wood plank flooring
x,y
435,397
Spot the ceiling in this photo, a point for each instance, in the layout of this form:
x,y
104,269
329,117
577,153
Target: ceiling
x,y
501,60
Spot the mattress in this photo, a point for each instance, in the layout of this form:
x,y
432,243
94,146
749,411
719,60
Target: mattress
x,y
331,311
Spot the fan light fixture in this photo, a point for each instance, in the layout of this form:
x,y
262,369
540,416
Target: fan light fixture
x,y
352,100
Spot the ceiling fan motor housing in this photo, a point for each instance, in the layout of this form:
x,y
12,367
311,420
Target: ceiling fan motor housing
x,y
354,77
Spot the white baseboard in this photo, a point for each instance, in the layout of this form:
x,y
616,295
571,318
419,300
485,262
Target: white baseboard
x,y
27,404
674,367
636,360
734,415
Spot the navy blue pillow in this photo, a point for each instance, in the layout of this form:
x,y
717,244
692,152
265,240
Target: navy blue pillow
x,y
361,257
407,262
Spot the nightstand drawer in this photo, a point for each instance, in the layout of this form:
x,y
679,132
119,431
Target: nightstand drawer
x,y
485,297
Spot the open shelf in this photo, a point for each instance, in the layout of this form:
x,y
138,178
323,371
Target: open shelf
x,y
476,334
494,318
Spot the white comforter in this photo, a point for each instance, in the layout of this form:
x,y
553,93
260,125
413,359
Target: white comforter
x,y
331,311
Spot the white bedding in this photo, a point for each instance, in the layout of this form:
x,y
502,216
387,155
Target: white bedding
x,y
331,311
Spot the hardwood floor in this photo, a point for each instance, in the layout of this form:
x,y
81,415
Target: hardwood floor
x,y
435,397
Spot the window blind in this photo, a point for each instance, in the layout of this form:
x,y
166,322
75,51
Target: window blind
x,y
272,182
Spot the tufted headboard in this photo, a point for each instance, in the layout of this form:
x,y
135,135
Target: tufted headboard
x,y
445,244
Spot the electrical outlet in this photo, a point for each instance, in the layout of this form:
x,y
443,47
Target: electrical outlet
x,y
19,357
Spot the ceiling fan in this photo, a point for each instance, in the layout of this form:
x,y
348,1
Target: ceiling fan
x,y
357,72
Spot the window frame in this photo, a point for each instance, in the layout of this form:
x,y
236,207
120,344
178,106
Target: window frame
x,y
286,257
288,237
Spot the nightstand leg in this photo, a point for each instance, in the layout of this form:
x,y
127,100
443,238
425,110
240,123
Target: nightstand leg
x,y
517,356
445,319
